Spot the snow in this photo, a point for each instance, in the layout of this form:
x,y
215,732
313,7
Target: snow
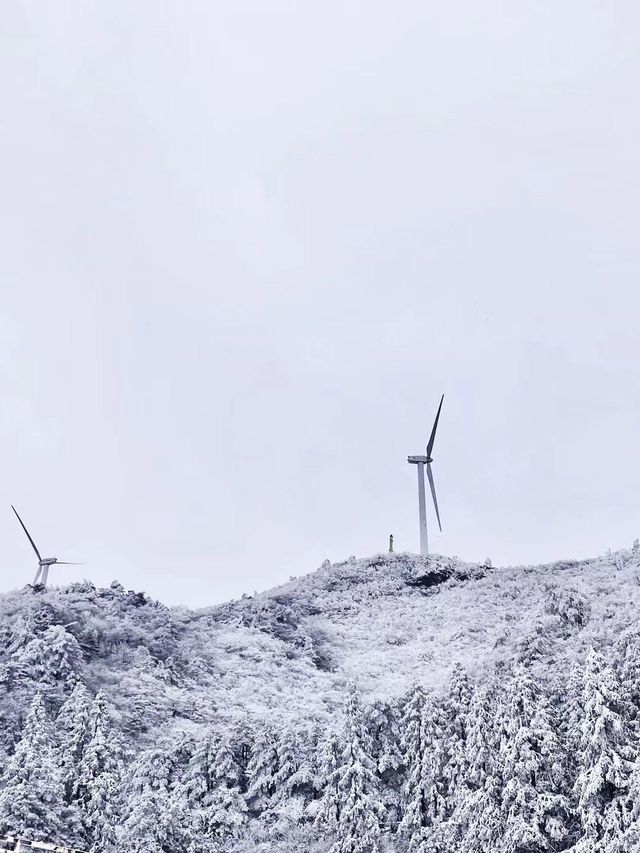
x,y
395,702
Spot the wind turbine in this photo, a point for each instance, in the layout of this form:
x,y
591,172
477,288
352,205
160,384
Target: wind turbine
x,y
421,461
43,564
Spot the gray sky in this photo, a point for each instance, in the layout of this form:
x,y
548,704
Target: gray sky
x,y
244,248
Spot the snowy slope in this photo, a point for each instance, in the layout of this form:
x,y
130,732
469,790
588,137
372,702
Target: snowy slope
x,y
381,622
376,622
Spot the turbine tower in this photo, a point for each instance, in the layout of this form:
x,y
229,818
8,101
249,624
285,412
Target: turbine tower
x,y
42,575
421,461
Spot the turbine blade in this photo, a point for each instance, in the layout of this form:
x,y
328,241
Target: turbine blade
x,y
64,563
37,578
435,427
433,493
33,544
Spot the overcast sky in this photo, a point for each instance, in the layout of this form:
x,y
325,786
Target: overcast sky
x,y
245,246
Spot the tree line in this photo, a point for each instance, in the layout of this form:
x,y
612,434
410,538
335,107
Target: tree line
x,y
505,764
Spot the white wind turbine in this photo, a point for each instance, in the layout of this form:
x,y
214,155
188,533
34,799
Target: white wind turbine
x,y
421,461
42,575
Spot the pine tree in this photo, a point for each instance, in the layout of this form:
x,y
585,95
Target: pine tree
x,y
573,707
98,778
209,791
630,669
413,746
241,739
606,751
9,712
329,808
72,728
296,779
424,791
627,836
32,796
455,724
147,827
288,760
361,808
103,812
411,722
305,782
262,769
383,721
475,825
53,657
533,807
226,807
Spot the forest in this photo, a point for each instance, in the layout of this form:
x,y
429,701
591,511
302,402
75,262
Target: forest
x,y
510,757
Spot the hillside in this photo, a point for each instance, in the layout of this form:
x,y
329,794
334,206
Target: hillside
x,y
377,629
382,622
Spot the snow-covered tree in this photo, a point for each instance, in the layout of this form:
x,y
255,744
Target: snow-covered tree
x,y
72,730
306,782
153,817
53,657
534,808
412,747
630,669
383,721
411,721
103,812
208,791
289,756
361,808
624,830
424,791
32,795
99,775
296,782
573,710
475,824
454,735
330,763
606,751
226,807
262,769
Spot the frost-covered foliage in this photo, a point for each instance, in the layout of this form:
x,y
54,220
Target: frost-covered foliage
x,y
397,704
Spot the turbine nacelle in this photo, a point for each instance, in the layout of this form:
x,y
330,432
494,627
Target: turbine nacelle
x,y
416,460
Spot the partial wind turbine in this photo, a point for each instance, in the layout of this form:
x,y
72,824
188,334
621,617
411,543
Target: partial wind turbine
x,y
421,461
42,575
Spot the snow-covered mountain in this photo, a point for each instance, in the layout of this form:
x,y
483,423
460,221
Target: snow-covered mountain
x,y
131,726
